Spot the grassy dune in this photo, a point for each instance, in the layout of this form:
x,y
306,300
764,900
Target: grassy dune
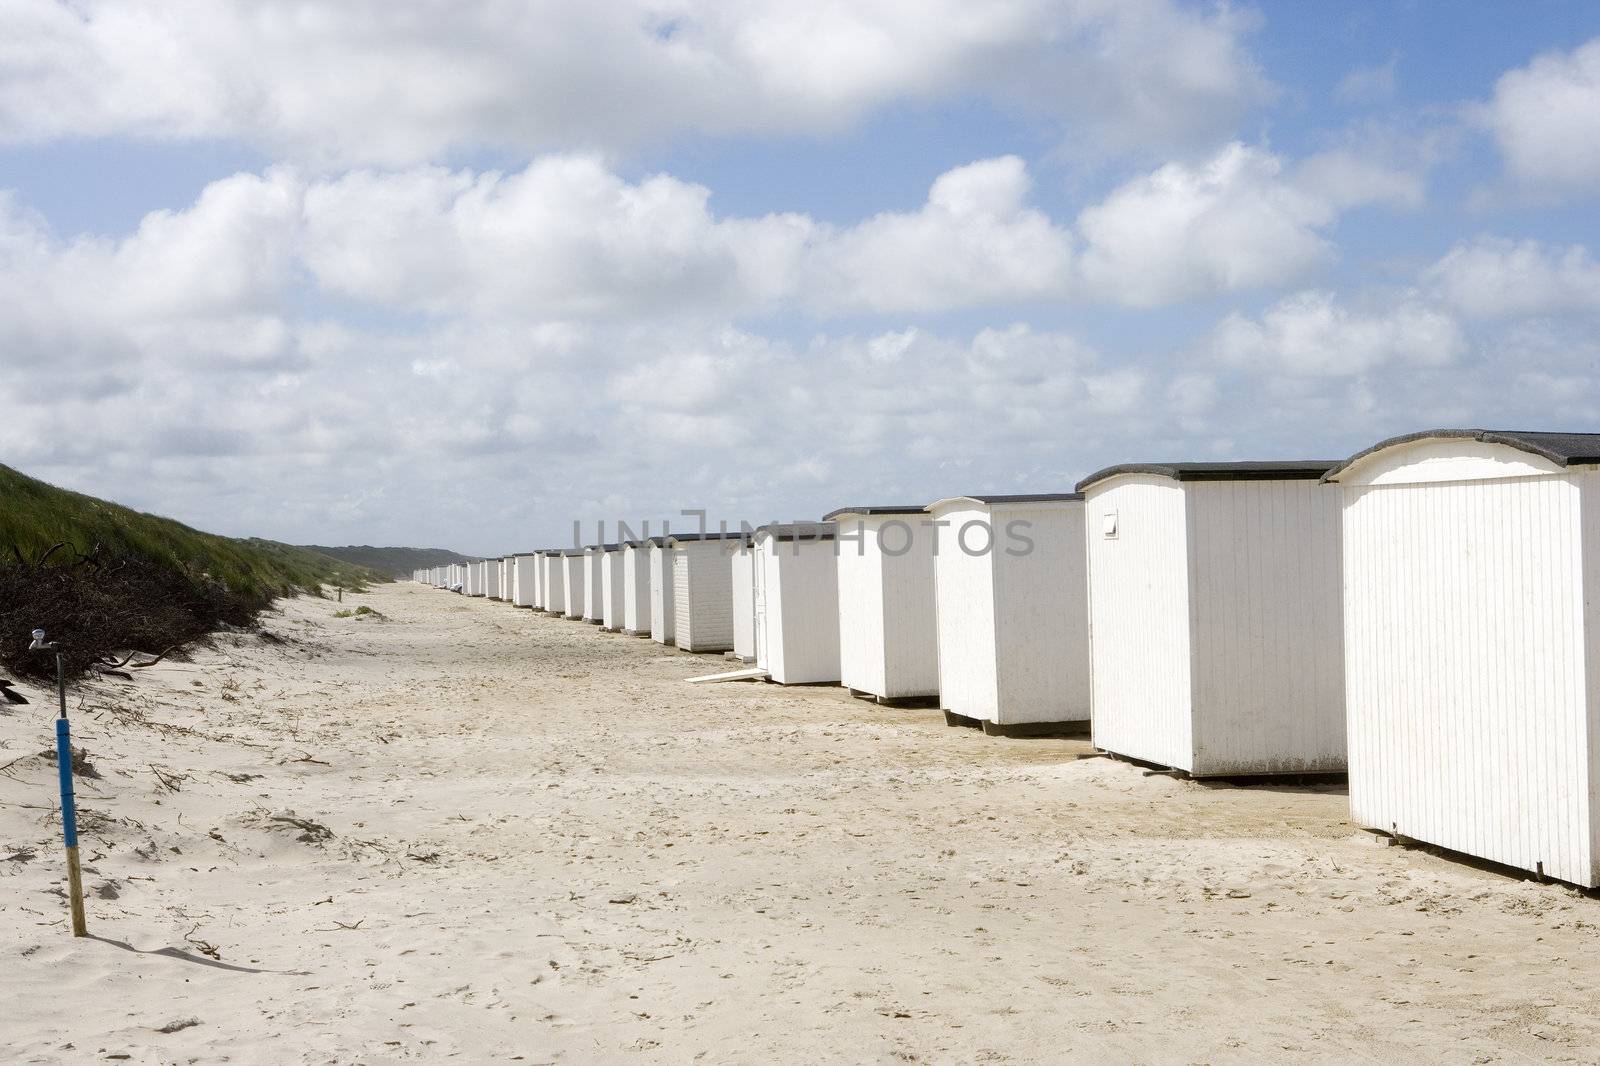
x,y
121,579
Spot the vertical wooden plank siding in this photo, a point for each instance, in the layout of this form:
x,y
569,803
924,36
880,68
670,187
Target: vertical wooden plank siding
x,y
964,595
862,653
1041,614
612,590
593,593
1268,636
888,631
576,591
526,581
1466,652
1139,610
802,610
636,597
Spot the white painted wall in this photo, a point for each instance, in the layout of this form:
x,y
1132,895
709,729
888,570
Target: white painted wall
x,y
800,610
663,611
1217,624
1139,610
523,580
1268,658
965,617
553,584
1471,643
741,575
702,596
1042,616
636,589
612,590
888,634
1013,628
576,590
593,602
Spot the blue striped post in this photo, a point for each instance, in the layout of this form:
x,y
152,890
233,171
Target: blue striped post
x,y
69,806
69,821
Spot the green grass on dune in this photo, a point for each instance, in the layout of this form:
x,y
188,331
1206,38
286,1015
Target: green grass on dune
x,y
35,516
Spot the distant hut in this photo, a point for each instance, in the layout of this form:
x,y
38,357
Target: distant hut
x,y
702,594
572,576
612,588
888,633
524,581
1012,612
1215,622
552,582
796,602
636,595
1472,644
593,591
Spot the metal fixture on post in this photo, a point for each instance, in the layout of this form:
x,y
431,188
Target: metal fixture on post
x,y
69,809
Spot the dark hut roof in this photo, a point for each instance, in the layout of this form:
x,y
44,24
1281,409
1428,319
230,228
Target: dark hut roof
x,y
876,509
1563,449
696,536
799,530
1042,497
1290,470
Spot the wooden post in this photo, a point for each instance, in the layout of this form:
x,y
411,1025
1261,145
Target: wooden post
x,y
69,809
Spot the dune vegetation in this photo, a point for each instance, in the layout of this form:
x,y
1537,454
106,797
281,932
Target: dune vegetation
x,y
109,580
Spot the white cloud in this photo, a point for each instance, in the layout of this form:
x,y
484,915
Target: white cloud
x,y
1185,232
975,242
1546,118
1311,334
358,83
1492,277
565,236
1350,177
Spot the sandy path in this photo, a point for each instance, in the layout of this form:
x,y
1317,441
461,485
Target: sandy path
x,y
547,848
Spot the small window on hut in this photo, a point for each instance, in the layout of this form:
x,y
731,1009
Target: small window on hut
x,y
1108,526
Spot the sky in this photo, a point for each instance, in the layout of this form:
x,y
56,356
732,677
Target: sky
x,y
459,274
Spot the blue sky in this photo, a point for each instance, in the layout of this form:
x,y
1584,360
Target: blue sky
x,y
464,277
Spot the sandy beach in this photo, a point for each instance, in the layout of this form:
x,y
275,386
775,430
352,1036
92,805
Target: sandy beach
x,y
466,831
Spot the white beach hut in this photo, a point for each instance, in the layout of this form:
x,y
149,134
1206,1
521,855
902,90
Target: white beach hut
x,y
663,613
796,602
636,586
742,575
593,581
491,579
702,593
523,580
473,585
572,578
1011,610
888,637
612,588
552,582
1472,644
1214,616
